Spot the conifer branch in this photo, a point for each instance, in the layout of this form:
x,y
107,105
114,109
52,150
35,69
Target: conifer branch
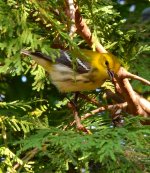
x,y
29,155
115,107
81,27
121,106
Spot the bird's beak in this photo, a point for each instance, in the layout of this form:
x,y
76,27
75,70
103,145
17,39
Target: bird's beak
x,y
110,73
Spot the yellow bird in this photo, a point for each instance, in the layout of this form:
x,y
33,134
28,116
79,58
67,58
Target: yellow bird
x,y
90,72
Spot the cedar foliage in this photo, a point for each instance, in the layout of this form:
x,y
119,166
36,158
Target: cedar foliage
x,y
33,114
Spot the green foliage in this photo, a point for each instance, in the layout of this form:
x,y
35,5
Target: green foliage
x,y
113,148
36,135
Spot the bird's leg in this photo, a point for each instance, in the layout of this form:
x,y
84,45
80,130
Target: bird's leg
x,y
76,96
76,113
73,106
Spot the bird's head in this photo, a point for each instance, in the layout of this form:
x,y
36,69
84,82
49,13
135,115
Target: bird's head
x,y
106,63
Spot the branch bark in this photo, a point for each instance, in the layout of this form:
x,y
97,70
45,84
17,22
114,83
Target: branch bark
x,y
137,105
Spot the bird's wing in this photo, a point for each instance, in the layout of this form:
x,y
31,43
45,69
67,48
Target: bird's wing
x,y
64,59
80,66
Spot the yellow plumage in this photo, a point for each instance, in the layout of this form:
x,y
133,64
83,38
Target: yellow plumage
x,y
90,73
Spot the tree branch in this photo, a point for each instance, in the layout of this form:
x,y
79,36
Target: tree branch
x,y
121,106
126,74
84,32
81,27
77,118
29,155
135,105
101,109
122,86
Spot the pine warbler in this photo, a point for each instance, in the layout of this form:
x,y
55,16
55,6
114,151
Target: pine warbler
x,y
90,72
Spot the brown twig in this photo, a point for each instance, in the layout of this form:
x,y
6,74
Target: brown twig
x,y
135,105
121,106
101,109
85,33
81,26
126,74
77,119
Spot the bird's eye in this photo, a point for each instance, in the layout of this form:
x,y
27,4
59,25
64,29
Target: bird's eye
x,y
106,63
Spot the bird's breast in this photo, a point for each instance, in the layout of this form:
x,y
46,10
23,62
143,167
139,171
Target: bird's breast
x,y
66,80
